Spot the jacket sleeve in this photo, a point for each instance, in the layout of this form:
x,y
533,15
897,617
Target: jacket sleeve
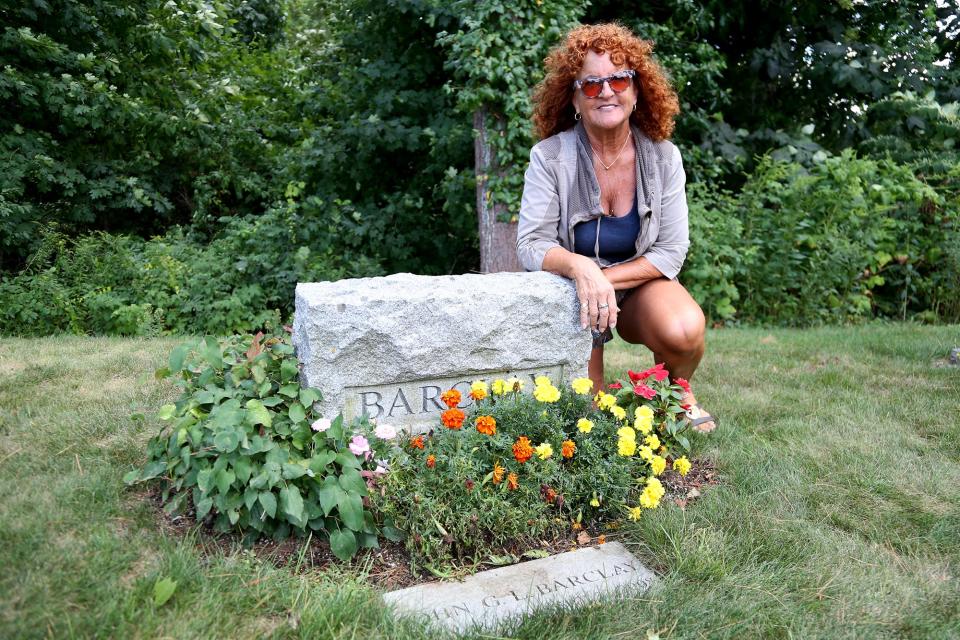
x,y
670,248
539,228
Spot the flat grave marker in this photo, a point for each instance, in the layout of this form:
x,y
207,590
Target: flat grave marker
x,y
491,597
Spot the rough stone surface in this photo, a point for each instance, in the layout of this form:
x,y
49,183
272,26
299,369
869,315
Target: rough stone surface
x,y
491,597
388,346
955,356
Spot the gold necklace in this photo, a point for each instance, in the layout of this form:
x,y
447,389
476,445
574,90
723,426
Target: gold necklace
x,y
606,167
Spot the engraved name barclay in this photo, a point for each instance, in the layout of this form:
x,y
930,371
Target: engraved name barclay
x,y
416,398
536,591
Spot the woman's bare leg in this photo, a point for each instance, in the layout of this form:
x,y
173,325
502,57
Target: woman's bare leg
x,y
662,315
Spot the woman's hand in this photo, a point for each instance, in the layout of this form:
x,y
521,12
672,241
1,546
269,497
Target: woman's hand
x,y
598,299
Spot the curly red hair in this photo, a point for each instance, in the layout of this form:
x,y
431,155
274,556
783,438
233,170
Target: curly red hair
x,y
657,106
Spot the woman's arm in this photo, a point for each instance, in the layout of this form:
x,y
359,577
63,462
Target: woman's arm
x,y
593,288
673,238
632,274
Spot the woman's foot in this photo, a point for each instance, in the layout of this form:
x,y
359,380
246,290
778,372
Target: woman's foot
x,y
699,419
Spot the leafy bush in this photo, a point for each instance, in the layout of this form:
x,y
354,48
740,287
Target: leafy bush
x,y
520,468
243,447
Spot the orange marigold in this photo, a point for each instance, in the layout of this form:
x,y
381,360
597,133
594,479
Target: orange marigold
x,y
431,461
478,394
451,398
417,443
568,448
487,425
453,418
497,473
522,450
601,539
513,482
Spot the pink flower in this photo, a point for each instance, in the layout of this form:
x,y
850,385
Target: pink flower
x,y
614,385
359,446
385,432
683,384
321,425
659,373
644,391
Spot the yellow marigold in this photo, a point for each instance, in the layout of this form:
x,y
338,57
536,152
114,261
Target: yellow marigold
x,y
618,412
626,447
584,425
453,418
652,441
646,453
546,393
654,485
594,503
626,433
643,411
682,465
568,448
605,400
542,381
635,513
487,425
513,482
522,450
499,387
479,390
544,450
498,472
514,384
450,397
657,465
643,425
582,386
648,500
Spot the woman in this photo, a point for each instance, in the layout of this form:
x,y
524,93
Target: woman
x,y
604,203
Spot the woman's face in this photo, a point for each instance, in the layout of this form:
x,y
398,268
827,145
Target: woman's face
x,y
609,110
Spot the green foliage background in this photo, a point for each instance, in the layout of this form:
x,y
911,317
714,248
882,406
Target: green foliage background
x,y
177,166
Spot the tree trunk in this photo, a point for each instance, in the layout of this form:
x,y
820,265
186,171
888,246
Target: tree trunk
x,y
498,240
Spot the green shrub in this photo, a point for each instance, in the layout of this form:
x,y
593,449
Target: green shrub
x,y
243,446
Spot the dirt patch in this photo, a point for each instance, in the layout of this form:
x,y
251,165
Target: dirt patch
x,y
389,567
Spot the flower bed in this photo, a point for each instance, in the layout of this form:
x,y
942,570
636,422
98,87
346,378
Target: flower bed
x,y
518,468
241,450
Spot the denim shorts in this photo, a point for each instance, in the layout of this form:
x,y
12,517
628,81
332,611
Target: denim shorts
x,y
600,338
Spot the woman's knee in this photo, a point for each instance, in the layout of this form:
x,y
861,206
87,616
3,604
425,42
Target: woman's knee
x,y
684,332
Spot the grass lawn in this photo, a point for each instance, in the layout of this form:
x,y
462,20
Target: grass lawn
x,y
838,515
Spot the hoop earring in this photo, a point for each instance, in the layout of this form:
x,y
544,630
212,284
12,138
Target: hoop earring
x,y
634,107
577,116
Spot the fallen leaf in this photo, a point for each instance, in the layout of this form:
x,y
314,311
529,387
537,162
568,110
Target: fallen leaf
x,y
680,502
583,538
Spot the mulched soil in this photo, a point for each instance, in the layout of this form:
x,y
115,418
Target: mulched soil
x,y
389,566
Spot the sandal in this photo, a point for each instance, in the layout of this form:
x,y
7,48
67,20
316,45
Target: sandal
x,y
703,418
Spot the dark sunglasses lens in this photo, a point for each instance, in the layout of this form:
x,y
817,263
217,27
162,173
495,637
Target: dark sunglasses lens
x,y
619,84
592,88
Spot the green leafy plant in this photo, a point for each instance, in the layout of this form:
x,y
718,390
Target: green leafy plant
x,y
243,447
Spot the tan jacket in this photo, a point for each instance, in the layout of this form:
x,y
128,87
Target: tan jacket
x,y
560,190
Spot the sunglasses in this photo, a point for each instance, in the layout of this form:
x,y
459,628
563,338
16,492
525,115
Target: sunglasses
x,y
593,87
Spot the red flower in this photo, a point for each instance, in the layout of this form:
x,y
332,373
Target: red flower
x,y
417,443
659,373
683,384
468,484
637,377
615,385
431,461
644,391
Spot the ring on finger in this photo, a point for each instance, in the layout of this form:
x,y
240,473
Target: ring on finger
x,y
603,306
